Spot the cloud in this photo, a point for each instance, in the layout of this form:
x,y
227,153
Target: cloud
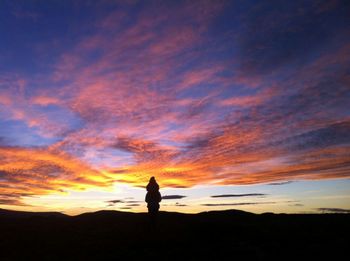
x,y
291,34
11,202
236,204
46,100
173,197
297,205
180,205
36,171
16,106
280,183
115,201
334,210
134,145
185,135
144,150
158,91
334,134
133,205
126,202
239,195
13,198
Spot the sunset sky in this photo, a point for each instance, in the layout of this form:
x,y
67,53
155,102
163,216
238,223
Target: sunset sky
x,y
229,104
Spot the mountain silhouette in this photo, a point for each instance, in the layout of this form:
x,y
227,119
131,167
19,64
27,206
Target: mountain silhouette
x,y
4,213
213,235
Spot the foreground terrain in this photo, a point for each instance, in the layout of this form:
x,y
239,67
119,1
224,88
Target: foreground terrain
x,y
217,235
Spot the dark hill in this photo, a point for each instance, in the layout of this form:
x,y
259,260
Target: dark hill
x,y
4,213
215,235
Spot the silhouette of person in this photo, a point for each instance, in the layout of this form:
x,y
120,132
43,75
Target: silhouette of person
x,y
153,198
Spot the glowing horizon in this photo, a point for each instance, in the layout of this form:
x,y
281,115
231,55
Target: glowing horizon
x,y
208,96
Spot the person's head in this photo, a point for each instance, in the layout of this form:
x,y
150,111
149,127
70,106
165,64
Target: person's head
x,y
152,179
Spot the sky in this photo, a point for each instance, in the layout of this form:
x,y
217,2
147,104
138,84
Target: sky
x,y
229,104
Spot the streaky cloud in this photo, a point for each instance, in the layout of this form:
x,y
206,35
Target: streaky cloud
x,y
189,92
236,204
122,201
173,197
280,183
239,195
334,210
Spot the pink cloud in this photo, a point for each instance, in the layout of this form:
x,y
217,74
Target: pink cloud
x,y
45,100
143,114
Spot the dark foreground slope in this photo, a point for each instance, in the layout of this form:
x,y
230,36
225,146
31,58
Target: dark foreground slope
x,y
222,235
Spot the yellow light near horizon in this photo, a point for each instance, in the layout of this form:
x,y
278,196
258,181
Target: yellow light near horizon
x,y
175,169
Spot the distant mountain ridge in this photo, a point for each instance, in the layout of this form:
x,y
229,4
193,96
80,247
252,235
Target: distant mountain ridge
x,y
27,214
213,235
112,213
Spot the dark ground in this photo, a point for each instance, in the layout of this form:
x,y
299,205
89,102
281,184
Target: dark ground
x,y
219,235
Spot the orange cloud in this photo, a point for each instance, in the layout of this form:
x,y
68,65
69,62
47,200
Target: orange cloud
x,y
28,172
141,112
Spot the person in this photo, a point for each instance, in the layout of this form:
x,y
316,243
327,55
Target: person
x,y
153,197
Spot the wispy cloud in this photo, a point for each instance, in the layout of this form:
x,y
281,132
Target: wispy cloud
x,y
173,197
36,171
297,205
180,92
236,204
334,210
280,183
239,195
123,202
